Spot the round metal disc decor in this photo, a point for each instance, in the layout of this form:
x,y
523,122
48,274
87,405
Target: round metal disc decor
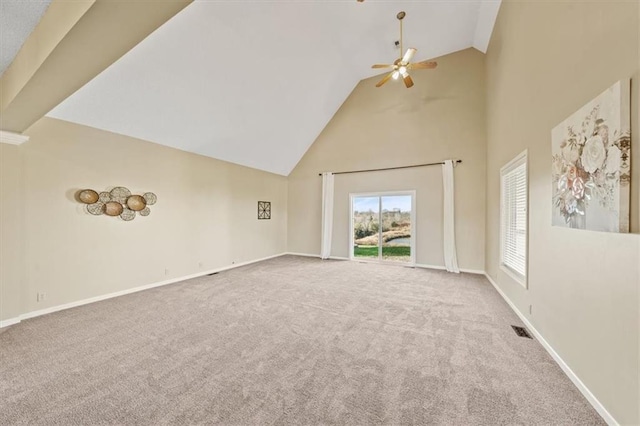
x,y
150,198
120,194
96,208
105,197
113,209
145,212
88,196
136,203
127,214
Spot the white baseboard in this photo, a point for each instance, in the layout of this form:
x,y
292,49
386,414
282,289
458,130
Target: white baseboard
x,y
317,256
423,266
9,321
303,254
442,268
611,421
33,314
472,271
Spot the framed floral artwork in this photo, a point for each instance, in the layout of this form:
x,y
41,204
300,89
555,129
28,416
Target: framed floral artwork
x,y
591,164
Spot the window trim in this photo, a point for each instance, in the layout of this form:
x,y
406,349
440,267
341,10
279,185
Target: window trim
x,y
519,160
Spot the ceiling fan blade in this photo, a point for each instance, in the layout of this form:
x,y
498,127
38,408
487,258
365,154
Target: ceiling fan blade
x,y
422,65
407,80
381,66
409,55
384,80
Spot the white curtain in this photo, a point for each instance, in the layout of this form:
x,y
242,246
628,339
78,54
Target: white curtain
x,y
450,256
327,214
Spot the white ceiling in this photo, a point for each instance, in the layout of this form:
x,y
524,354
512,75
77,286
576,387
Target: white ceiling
x,y
255,82
17,19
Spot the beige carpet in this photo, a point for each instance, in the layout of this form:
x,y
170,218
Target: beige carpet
x,y
288,341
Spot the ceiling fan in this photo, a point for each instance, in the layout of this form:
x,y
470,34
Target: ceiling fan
x,y
401,66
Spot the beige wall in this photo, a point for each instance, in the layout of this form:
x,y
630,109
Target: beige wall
x,y
546,60
205,218
441,117
11,255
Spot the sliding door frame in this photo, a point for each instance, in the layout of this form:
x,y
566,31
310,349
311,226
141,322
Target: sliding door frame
x,y
414,233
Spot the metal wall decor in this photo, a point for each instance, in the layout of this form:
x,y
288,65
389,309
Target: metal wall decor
x,y
136,203
117,202
264,209
113,208
88,196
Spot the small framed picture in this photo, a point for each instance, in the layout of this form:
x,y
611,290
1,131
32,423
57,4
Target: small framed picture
x,y
264,209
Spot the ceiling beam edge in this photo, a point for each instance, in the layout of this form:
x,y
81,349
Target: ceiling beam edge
x,y
55,24
84,44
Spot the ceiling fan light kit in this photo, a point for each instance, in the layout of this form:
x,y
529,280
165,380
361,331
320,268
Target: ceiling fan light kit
x,y
401,66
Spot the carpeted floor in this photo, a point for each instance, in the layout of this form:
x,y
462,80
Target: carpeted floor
x,y
288,341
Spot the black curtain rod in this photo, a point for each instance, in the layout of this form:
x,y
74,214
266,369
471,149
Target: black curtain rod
x,y
390,168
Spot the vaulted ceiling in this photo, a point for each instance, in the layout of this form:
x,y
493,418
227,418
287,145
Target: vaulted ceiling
x,y
255,82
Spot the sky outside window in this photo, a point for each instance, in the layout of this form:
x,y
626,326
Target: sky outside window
x,y
363,204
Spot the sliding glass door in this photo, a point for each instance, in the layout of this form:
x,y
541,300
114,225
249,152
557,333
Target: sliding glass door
x,y
382,227
366,227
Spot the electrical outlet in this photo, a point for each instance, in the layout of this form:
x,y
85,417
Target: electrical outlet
x,y
199,264
166,271
530,309
41,297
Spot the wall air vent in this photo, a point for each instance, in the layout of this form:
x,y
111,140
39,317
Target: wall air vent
x,y
521,331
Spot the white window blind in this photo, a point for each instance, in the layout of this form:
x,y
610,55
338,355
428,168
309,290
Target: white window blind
x,y
513,217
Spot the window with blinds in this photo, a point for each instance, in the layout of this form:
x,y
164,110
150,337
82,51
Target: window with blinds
x,y
513,218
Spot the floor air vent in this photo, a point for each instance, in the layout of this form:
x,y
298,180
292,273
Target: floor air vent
x,y
521,331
